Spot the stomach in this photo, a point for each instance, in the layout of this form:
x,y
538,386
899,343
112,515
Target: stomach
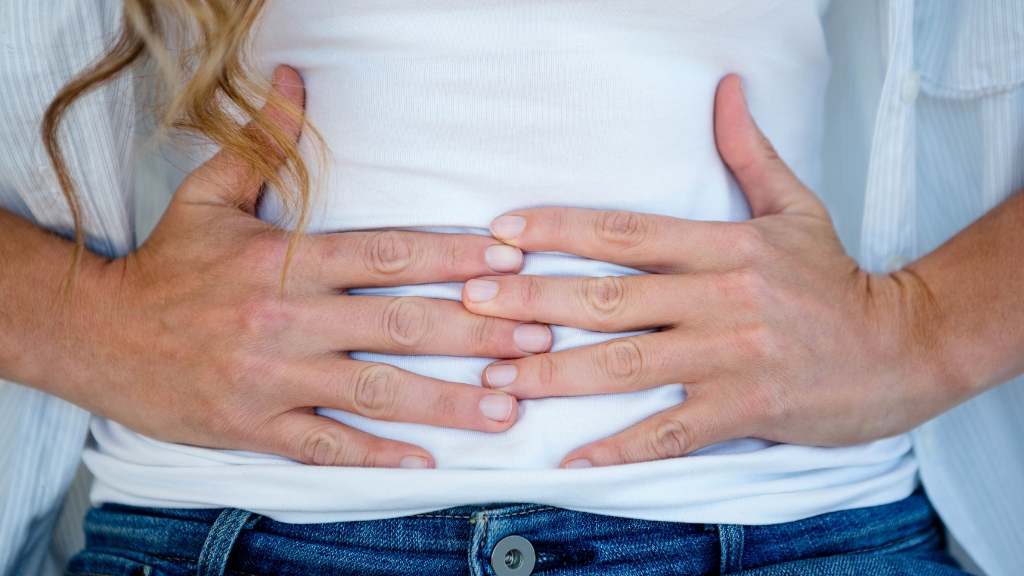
x,y
441,116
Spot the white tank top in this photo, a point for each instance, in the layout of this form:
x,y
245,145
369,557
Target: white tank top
x,y
443,114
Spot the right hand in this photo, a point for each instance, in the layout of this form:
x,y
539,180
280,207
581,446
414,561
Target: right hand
x,y
194,341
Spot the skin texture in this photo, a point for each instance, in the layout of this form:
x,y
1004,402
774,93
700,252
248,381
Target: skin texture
x,y
774,331
192,338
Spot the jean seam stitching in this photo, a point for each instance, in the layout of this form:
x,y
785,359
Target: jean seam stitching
x,y
524,512
441,516
236,524
176,559
730,559
880,546
233,523
204,566
742,537
499,515
731,540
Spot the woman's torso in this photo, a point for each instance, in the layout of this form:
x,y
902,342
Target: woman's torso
x,y
443,114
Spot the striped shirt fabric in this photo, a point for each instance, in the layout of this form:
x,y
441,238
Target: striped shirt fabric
x,y
42,44
925,133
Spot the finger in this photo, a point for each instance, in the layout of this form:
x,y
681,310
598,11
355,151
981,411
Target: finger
x,y
643,241
770,186
384,392
698,422
413,326
304,436
620,365
229,180
395,258
609,304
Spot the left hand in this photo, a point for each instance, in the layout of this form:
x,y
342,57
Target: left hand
x,y
773,330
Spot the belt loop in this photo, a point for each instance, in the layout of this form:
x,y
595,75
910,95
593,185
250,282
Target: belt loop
x,y
730,539
213,560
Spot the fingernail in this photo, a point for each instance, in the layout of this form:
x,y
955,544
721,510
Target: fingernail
x,y
501,375
481,290
578,463
279,73
497,407
508,227
502,258
414,462
532,338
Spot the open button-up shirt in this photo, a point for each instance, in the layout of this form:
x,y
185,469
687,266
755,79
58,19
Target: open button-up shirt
x,y
924,134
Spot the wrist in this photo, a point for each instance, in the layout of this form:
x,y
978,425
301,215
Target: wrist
x,y
76,314
935,361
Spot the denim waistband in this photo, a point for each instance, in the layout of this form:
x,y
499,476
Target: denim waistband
x,y
136,541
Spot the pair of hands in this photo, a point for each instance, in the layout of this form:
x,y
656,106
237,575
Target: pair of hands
x,y
772,329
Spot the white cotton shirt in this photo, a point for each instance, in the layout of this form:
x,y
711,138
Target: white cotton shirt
x,y
442,115
971,99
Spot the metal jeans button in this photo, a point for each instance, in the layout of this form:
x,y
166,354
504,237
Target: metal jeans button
x,y
513,556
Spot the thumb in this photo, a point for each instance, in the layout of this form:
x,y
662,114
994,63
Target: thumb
x,y
770,186
233,179
698,422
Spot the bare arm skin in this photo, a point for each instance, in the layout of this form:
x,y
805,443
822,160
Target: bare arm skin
x,y
773,330
191,339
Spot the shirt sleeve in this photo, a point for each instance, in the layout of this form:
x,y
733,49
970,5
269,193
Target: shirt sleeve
x,y
43,43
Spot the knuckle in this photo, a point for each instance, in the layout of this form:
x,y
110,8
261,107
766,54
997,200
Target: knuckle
x,y
456,258
671,438
623,360
374,392
748,241
529,291
547,371
603,297
484,332
557,224
261,315
623,228
388,253
364,454
375,454
746,288
406,323
361,453
320,449
446,406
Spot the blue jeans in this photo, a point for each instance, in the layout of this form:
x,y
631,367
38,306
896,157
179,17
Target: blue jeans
x,y
901,538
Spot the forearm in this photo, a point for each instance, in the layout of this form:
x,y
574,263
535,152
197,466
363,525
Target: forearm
x,y
38,314
975,292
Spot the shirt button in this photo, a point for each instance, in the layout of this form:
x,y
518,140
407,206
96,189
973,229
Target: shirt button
x,y
896,263
912,86
513,556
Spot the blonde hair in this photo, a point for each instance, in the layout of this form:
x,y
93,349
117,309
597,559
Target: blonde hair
x,y
209,89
